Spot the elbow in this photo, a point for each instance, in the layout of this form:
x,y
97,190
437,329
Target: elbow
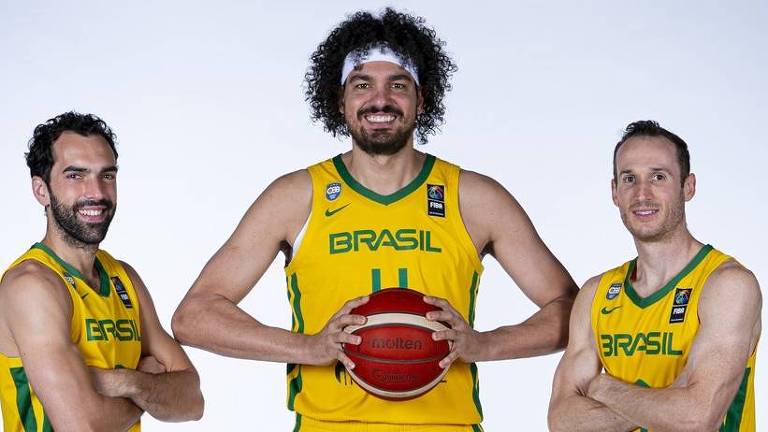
x,y
184,321
554,420
697,420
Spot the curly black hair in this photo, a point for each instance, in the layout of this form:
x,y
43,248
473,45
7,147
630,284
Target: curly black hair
x,y
40,154
651,128
404,34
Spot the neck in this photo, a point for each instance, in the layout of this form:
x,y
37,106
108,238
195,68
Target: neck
x,y
384,174
661,260
79,255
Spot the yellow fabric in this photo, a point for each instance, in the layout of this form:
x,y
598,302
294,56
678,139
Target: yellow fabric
x,y
355,243
306,424
647,341
105,330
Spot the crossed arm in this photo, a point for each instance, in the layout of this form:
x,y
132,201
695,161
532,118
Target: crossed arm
x,y
36,311
729,314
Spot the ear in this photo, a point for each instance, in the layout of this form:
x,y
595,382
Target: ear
x,y
419,101
41,192
689,186
614,196
341,99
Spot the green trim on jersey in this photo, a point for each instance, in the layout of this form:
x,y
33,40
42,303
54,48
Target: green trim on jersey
x,y
24,399
477,428
732,420
402,277
429,162
297,316
653,298
297,428
476,389
103,276
294,389
472,299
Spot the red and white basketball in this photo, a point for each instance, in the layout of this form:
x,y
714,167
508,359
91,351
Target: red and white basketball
x,y
397,358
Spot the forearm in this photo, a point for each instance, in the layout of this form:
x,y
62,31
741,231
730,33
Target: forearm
x,y
576,413
170,396
216,324
107,414
666,409
544,332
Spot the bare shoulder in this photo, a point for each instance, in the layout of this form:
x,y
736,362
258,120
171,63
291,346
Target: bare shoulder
x,y
586,294
733,282
287,196
487,207
31,279
476,185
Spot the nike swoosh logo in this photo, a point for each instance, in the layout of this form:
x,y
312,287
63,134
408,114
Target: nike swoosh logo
x,y
329,212
84,295
606,311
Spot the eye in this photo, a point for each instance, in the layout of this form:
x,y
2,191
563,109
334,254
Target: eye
x,y
74,176
109,176
658,177
362,85
399,86
628,178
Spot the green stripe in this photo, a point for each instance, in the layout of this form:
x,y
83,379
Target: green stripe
x,y
103,276
477,428
297,428
297,304
385,199
736,410
376,280
294,388
24,399
476,389
402,276
47,424
653,298
472,298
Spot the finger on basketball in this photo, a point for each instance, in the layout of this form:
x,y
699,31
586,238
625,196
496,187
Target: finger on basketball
x,y
445,316
344,337
437,301
444,335
349,305
448,360
349,364
347,320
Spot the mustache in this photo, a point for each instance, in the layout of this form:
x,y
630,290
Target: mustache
x,y
108,204
644,204
389,109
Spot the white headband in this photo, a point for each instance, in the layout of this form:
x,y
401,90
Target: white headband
x,y
377,53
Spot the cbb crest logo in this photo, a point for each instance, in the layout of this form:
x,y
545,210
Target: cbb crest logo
x,y
332,191
613,291
682,296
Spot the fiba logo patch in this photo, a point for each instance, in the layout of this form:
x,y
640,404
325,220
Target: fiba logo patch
x,y
613,291
121,293
680,304
332,191
436,200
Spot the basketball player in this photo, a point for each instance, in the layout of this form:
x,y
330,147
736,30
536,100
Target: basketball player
x,y
380,215
682,318
81,347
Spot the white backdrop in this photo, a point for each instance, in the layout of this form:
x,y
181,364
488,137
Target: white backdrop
x,y
206,99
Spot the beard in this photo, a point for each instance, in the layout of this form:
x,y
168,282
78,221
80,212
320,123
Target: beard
x,y
673,220
77,232
383,142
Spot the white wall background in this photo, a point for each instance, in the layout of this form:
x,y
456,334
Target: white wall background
x,y
206,100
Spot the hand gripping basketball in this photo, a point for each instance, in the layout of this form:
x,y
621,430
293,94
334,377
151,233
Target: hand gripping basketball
x,y
466,343
326,347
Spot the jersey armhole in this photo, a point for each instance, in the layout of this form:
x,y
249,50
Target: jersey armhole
x,y
461,228
307,226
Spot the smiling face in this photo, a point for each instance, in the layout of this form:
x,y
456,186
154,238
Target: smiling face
x,y
380,104
649,190
82,190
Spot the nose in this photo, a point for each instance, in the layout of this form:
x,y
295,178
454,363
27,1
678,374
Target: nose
x,y
380,96
644,190
94,189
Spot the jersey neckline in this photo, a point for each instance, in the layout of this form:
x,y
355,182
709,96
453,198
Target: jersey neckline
x,y
429,162
644,302
103,276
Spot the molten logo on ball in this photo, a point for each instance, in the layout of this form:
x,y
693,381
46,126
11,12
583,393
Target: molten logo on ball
x,y
397,358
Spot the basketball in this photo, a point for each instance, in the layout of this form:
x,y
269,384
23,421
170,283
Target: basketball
x,y
397,358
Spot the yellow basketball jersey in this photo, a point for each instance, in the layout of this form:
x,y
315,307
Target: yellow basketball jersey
x,y
357,242
647,341
105,327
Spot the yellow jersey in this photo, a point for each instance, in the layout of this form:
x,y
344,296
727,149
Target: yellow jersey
x,y
105,327
646,341
356,242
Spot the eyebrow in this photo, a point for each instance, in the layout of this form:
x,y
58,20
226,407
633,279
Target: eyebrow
x,y
72,168
366,77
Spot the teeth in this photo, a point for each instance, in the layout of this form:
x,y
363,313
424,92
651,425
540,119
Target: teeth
x,y
380,118
90,212
645,212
